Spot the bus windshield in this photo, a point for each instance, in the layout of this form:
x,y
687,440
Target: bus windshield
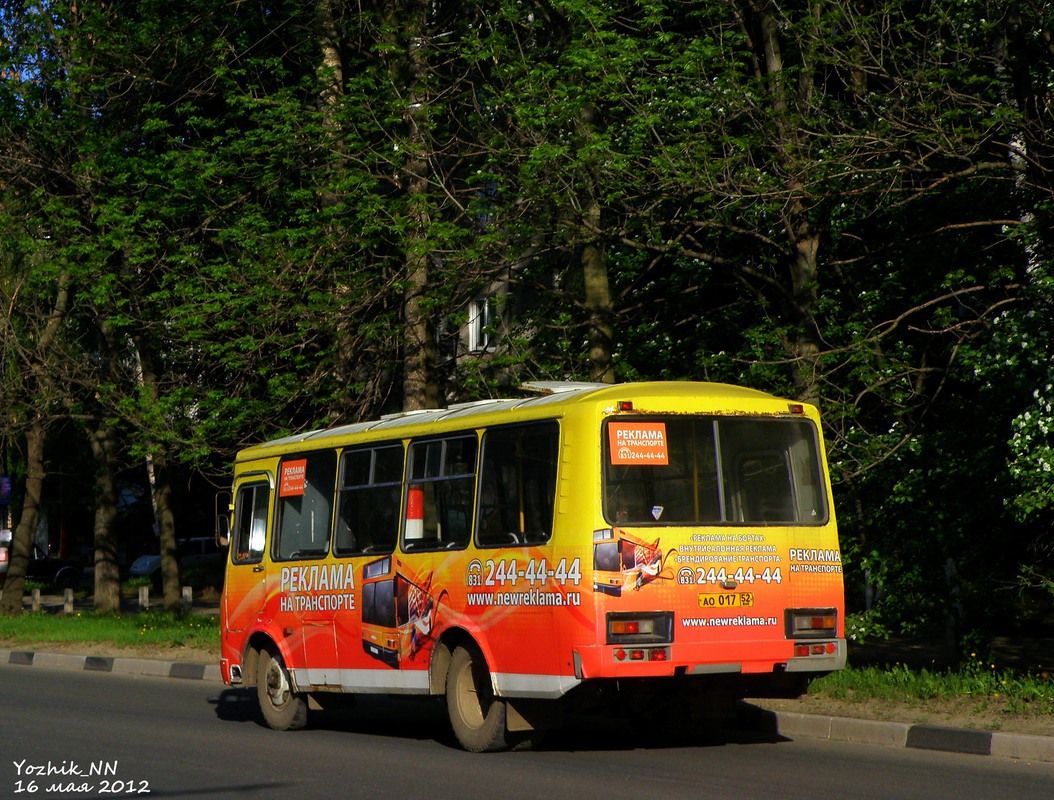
x,y
695,470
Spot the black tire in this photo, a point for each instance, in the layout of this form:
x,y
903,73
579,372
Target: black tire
x,y
476,715
67,578
282,708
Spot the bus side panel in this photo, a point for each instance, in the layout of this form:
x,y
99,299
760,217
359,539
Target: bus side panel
x,y
518,603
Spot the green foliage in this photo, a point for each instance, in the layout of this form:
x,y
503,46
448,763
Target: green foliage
x,y
862,221
864,626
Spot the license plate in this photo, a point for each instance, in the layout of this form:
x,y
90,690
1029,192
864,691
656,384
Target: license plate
x,y
726,599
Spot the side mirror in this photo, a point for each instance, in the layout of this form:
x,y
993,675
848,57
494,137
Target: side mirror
x,y
223,531
223,519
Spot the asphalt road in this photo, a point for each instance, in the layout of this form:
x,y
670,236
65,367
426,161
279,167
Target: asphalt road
x,y
191,739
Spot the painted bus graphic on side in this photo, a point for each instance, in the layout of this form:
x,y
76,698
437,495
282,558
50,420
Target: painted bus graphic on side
x,y
622,562
398,612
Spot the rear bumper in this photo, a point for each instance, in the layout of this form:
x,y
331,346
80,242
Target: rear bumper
x,y
746,658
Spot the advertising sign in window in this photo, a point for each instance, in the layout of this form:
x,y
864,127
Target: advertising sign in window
x,y
641,443
294,477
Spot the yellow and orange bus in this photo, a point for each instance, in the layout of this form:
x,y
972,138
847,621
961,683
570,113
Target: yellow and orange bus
x,y
654,540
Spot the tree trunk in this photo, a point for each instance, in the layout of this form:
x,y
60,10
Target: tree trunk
x,y
805,348
420,386
107,596
331,70
160,490
166,522
804,239
420,389
22,541
36,434
599,307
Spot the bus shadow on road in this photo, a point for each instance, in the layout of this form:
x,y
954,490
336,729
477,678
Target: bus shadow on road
x,y
378,715
425,718
238,705
615,732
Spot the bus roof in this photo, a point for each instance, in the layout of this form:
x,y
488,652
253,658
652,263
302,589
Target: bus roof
x,y
547,395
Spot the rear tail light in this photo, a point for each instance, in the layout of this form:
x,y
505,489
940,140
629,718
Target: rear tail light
x,y
805,650
642,654
640,636
632,627
3,555
644,627
811,623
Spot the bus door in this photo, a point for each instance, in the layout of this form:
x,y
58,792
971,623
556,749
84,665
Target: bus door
x,y
311,589
367,527
244,593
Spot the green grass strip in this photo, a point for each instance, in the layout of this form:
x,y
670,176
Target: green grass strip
x,y
976,679
144,629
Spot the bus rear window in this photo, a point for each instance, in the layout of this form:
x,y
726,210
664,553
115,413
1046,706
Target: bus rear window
x,y
712,471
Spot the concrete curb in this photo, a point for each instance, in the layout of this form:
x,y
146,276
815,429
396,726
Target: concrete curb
x,y
788,724
792,725
146,667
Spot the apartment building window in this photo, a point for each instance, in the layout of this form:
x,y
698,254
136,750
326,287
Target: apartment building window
x,y
482,319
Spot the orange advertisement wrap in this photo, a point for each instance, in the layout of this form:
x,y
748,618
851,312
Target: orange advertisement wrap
x,y
722,588
505,603
728,590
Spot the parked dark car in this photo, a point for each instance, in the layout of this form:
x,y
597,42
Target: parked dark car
x,y
42,568
193,554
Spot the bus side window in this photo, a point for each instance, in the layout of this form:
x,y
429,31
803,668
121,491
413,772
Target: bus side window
x,y
440,493
368,506
517,485
305,505
250,523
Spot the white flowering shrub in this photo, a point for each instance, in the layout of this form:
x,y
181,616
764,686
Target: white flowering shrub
x,y
1032,461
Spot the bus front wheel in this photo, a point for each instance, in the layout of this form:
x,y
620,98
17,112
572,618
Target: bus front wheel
x,y
476,715
282,708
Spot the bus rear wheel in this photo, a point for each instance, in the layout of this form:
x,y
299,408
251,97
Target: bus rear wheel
x,y
476,715
282,708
